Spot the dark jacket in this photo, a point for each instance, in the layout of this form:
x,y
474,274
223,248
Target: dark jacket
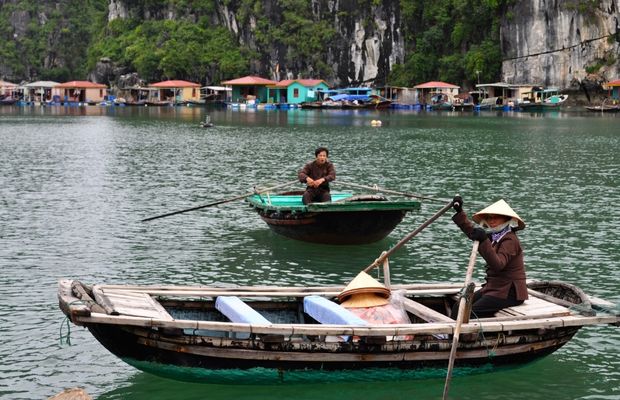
x,y
316,171
505,266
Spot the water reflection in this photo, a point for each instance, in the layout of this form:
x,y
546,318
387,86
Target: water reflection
x,y
75,183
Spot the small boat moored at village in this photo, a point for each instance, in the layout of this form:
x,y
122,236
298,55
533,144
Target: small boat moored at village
x,y
347,219
540,99
266,334
604,108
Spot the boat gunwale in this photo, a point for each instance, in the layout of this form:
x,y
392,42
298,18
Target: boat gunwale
x,y
428,328
83,315
339,205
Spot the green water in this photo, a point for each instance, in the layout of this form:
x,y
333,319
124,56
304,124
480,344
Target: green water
x,y
75,183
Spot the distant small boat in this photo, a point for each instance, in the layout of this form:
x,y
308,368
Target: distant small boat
x,y
440,102
347,219
603,108
377,102
207,123
7,101
311,105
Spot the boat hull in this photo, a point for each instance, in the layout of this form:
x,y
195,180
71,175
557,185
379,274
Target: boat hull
x,y
155,352
346,220
356,227
606,109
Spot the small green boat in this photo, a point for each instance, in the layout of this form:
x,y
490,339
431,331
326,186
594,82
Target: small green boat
x,y
347,219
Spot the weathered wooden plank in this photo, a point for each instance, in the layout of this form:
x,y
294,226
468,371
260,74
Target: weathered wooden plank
x,y
208,293
333,356
424,312
534,306
373,330
304,289
138,304
68,303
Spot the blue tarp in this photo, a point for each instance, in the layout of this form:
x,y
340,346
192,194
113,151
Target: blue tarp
x,y
349,97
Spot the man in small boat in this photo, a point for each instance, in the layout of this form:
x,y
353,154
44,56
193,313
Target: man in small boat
x,y
500,247
316,175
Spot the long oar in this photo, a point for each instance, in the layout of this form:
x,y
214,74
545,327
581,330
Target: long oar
x,y
378,189
459,319
221,201
407,238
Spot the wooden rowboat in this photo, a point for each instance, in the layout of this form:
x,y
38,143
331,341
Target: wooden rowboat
x,y
273,334
603,108
347,219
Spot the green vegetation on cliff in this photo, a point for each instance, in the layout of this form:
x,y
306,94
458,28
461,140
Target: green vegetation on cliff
x,y
48,40
167,49
450,40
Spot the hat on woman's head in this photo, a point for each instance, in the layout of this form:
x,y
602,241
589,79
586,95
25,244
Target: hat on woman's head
x,y
364,291
499,208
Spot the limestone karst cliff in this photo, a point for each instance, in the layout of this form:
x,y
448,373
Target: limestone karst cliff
x,y
561,42
364,44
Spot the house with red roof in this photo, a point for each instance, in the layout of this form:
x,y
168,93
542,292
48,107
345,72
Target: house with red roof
x,y
250,88
174,92
428,90
297,91
7,89
81,92
614,87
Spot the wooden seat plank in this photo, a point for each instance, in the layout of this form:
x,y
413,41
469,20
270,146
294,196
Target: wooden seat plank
x,y
136,304
534,306
424,312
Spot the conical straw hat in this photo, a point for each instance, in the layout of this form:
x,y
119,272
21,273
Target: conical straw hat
x,y
364,284
499,208
364,300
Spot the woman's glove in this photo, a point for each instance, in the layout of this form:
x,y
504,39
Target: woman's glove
x,y
478,234
457,203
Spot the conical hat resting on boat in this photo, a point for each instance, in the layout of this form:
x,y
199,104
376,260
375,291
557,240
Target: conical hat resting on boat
x,y
499,208
364,291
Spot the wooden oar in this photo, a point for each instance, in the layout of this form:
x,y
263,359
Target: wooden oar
x,y
221,201
378,189
407,238
459,319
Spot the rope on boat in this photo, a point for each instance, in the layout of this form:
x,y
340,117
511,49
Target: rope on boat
x,y
66,339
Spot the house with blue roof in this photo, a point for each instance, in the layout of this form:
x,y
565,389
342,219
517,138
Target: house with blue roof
x,y
297,91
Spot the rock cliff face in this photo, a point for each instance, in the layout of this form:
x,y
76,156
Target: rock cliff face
x,y
368,39
561,43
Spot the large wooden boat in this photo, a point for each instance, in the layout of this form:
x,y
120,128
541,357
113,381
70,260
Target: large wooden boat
x,y
273,334
540,99
347,219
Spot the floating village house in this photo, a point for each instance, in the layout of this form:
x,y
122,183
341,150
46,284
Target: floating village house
x,y
429,90
176,91
41,92
7,89
398,94
81,92
215,94
250,89
614,88
296,91
502,92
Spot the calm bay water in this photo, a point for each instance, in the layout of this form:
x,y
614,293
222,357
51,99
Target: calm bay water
x,y
75,182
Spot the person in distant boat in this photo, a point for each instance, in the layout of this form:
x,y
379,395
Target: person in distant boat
x,y
500,247
316,175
